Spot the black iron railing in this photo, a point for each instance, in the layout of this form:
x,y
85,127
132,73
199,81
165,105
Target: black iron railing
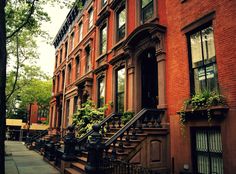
x,y
146,118
111,121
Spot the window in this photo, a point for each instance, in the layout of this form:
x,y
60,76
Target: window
x,y
75,104
69,74
80,32
90,18
67,111
121,20
88,59
53,86
120,90
77,68
72,40
66,49
63,79
60,55
103,39
56,61
147,10
58,83
203,60
103,3
207,150
101,91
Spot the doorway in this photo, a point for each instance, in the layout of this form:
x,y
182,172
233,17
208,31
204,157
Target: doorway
x,y
149,79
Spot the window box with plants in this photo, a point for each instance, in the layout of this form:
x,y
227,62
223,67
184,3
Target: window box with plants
x,y
205,105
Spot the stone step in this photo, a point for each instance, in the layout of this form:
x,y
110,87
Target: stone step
x,y
71,171
78,166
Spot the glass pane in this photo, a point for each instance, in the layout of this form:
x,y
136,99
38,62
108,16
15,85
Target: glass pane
x,y
104,40
80,31
90,18
217,165
199,79
145,2
122,18
203,164
196,50
212,79
201,141
101,91
208,44
120,89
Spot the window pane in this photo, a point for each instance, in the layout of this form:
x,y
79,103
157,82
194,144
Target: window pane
x,y
90,18
80,31
208,44
104,40
122,18
199,79
145,2
196,49
120,89
147,11
101,92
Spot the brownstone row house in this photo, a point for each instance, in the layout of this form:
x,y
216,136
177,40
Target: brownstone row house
x,y
153,54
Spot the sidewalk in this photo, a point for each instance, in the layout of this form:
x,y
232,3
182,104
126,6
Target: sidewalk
x,y
20,160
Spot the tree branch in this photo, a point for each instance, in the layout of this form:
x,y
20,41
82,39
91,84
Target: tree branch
x,y
17,69
31,11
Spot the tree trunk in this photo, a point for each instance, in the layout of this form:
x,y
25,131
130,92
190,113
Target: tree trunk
x,y
3,61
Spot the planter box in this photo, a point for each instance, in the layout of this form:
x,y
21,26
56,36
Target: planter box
x,y
216,113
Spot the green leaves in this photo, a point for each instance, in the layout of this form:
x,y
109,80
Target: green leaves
x,y
87,116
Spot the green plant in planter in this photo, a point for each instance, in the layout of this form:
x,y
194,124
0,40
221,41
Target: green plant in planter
x,y
203,100
126,117
87,116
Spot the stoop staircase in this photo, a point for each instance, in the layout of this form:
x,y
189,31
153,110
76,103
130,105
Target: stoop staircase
x,y
141,144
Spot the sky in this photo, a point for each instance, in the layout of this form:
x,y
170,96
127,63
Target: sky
x,y
46,50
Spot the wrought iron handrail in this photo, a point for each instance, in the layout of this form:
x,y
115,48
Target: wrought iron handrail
x,y
44,132
137,117
105,120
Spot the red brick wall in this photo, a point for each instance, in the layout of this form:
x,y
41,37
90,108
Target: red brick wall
x,y
178,16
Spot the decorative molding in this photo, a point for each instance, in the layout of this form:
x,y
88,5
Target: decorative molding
x,y
197,23
101,68
103,16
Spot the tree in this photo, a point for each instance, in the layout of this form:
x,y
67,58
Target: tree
x,y
25,19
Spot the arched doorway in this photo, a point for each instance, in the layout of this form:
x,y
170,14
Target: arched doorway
x,y
149,79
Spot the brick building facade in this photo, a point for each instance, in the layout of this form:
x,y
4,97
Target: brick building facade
x,y
153,54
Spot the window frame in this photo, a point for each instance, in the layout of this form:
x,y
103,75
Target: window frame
x,y
88,58
69,80
142,9
101,42
77,67
116,88
209,153
101,79
118,12
191,68
90,18
80,31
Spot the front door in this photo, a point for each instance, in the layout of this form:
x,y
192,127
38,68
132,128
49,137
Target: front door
x,y
149,79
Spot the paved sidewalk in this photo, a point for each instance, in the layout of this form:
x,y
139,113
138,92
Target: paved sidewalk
x,y
20,160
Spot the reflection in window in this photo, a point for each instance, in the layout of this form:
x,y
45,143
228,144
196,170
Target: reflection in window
x,y
103,2
80,31
203,60
146,10
88,59
90,18
101,91
77,68
121,19
103,40
120,89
